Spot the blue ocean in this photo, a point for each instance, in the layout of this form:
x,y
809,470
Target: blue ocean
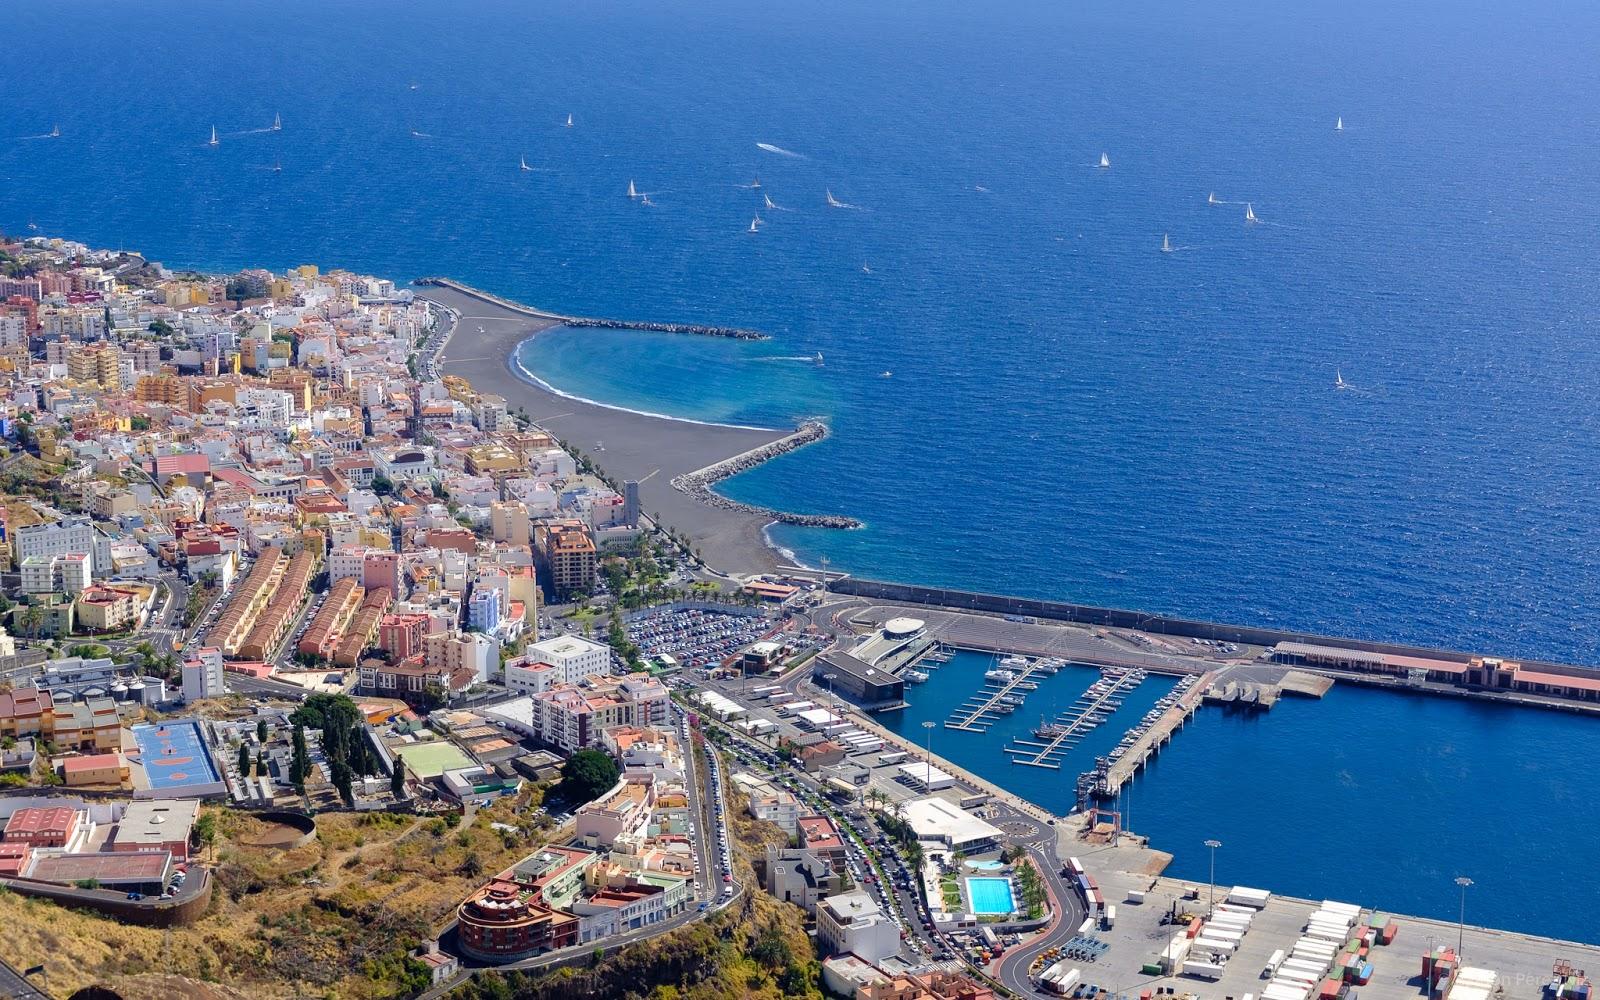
x,y
1028,394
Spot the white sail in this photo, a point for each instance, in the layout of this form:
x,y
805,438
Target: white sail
x,y
633,192
1338,126
1105,161
213,136
832,201
1249,213
523,163
768,199
1166,243
55,131
755,224
277,123
756,183
1212,200
569,121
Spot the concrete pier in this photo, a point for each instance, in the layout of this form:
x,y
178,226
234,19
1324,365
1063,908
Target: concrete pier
x,y
1153,739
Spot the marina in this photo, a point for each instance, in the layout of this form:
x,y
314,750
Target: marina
x,y
1092,709
1003,693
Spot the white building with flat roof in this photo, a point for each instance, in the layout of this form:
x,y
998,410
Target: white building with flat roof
x,y
853,923
934,819
574,657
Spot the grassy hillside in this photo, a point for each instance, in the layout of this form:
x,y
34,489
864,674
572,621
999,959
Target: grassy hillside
x,y
333,918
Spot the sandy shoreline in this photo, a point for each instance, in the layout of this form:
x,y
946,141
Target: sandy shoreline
x,y
637,445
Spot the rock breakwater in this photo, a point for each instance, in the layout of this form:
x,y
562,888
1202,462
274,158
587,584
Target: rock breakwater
x,y
698,329
698,483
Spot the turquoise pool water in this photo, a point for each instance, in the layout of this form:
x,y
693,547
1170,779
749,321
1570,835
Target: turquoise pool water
x,y
990,895
985,866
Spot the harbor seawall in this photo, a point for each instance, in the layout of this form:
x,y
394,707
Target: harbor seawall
x,y
698,483
1086,614
698,329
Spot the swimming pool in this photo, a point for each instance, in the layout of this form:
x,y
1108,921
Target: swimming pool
x,y
986,866
990,895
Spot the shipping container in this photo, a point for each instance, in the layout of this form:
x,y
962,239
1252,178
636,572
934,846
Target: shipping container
x,y
1245,896
1136,895
1110,919
1203,944
1273,963
1202,970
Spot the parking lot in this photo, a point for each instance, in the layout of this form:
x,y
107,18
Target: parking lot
x,y
694,637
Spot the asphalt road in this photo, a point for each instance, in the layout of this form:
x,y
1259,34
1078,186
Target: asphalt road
x,y
14,987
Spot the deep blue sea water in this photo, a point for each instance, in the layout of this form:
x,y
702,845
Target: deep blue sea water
x,y
1366,796
1071,413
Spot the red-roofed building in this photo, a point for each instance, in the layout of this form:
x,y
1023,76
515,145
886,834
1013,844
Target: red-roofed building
x,y
14,859
95,769
55,827
194,466
819,836
23,712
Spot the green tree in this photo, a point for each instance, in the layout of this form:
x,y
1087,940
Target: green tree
x,y
397,778
300,765
205,829
244,760
586,774
261,731
339,772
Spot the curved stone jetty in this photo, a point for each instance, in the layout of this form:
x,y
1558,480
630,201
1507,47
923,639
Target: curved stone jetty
x,y
698,483
698,329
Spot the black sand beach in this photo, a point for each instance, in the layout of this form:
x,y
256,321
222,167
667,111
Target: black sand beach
x,y
650,449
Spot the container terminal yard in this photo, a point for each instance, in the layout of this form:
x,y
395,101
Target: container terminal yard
x,y
1118,927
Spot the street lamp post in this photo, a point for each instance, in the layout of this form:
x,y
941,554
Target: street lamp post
x,y
1213,844
1461,922
828,680
928,725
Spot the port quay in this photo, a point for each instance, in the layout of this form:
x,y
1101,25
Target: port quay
x,y
1120,926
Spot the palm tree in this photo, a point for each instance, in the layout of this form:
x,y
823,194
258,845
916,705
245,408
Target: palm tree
x,y
33,620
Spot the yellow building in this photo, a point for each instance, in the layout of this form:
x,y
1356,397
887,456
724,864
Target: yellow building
x,y
100,363
488,459
168,389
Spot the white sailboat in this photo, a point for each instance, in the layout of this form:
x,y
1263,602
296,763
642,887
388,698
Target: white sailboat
x,y
756,184
1212,199
277,166
768,199
213,141
818,358
1339,382
1250,213
755,224
633,192
277,123
523,163
1338,126
1166,243
55,131
832,201
1105,161
569,120
644,199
